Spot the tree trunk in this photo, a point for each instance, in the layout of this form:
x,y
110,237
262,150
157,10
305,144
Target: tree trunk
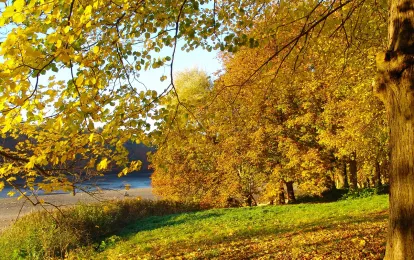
x,y
343,178
249,200
378,182
290,192
367,183
353,172
281,199
396,88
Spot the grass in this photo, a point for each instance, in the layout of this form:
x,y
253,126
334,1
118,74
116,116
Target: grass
x,y
44,235
141,229
348,229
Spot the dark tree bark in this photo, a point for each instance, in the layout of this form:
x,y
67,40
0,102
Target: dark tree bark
x,y
250,200
353,172
290,192
281,198
395,85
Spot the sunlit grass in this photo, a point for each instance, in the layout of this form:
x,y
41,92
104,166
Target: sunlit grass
x,y
43,235
352,229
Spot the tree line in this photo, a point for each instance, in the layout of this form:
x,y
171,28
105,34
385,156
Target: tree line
x,y
309,119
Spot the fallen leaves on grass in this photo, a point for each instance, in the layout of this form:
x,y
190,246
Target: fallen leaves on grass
x,y
357,239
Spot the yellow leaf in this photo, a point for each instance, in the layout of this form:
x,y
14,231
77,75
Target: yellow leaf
x,y
102,164
18,5
95,49
88,10
18,17
9,180
30,164
79,80
67,29
21,196
8,12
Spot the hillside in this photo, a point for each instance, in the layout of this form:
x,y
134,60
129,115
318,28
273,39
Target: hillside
x,y
350,229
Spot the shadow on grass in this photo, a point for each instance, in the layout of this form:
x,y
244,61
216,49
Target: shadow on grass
x,y
328,237
327,196
327,224
156,222
340,194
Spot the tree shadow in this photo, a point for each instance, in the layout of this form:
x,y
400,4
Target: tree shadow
x,y
328,224
155,222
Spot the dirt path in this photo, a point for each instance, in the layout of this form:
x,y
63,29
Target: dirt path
x,y
10,208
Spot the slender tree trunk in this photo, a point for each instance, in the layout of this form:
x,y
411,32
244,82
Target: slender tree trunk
x,y
378,181
344,177
331,182
340,181
367,183
249,200
281,199
353,172
395,85
290,192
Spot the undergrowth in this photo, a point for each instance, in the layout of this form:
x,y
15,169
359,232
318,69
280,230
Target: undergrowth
x,y
366,192
43,235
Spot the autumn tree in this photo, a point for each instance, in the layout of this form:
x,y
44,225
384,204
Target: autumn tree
x,y
282,112
185,160
242,148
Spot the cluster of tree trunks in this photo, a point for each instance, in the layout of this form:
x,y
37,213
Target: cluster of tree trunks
x,y
348,177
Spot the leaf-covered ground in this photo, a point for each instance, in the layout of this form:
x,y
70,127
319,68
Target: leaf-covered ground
x,y
352,229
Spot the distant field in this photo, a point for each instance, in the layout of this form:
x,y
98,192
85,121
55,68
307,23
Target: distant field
x,y
350,229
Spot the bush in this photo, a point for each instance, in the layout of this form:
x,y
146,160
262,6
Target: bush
x,y
343,194
43,235
326,196
366,192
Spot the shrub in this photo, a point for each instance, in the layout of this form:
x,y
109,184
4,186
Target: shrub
x,y
366,192
326,196
43,235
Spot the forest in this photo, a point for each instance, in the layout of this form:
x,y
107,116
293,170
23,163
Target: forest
x,y
313,97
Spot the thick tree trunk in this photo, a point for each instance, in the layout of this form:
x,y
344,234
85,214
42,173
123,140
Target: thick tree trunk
x,y
281,199
353,172
396,88
290,192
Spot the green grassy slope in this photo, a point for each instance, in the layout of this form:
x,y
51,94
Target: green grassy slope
x,y
351,229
